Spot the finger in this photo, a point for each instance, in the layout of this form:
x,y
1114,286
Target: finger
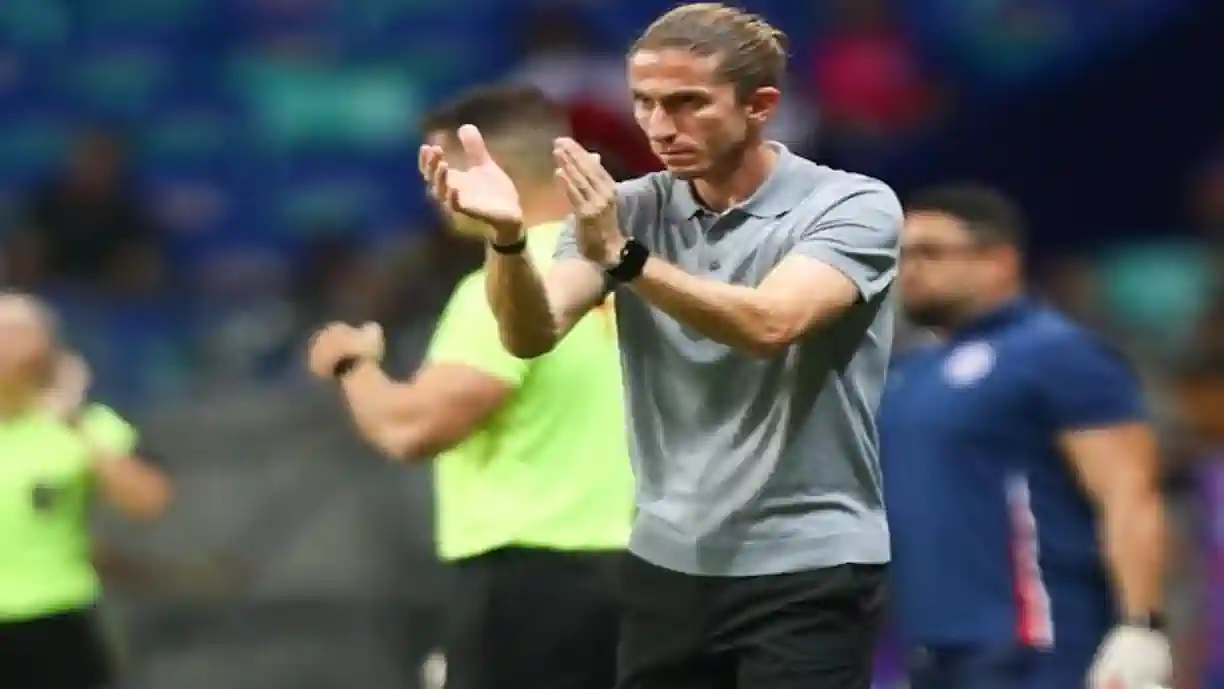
x,y
374,339
572,192
576,176
589,163
451,201
473,143
430,157
439,182
581,160
423,161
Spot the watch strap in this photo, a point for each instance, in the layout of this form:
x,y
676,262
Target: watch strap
x,y
630,263
511,248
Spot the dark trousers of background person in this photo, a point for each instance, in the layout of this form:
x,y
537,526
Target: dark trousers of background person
x,y
534,618
807,630
1004,667
63,651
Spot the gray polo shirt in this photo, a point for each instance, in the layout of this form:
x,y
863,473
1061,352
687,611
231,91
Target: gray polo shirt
x,y
749,466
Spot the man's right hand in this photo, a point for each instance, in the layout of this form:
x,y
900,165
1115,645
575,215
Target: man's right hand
x,y
482,191
338,341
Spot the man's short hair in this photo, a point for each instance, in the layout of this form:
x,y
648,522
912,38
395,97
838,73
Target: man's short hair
x,y
519,123
987,214
751,52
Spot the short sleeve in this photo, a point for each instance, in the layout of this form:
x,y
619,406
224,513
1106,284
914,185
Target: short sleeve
x,y
567,243
858,235
467,334
1085,384
110,432
567,248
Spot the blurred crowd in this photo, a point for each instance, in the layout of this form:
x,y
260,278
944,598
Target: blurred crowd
x,y
198,183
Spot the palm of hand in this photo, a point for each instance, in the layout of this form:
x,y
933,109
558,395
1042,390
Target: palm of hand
x,y
486,192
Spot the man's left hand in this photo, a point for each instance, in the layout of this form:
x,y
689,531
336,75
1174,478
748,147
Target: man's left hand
x,y
592,194
339,341
69,386
1132,658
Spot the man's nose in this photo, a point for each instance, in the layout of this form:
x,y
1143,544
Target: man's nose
x,y
660,128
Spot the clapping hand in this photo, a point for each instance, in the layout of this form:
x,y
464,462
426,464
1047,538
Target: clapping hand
x,y
69,386
592,194
336,342
482,191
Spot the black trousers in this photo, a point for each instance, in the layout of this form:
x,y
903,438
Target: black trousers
x,y
808,630
534,618
63,651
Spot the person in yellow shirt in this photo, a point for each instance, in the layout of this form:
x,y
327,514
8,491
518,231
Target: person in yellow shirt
x,y
534,486
57,451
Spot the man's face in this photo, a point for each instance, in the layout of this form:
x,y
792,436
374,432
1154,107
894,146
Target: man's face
x,y
25,343
942,271
453,153
695,123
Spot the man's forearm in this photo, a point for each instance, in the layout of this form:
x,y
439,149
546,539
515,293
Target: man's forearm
x,y
380,411
1133,535
734,315
140,491
519,301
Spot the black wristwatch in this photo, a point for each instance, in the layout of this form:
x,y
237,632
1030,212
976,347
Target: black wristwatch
x,y
1149,620
511,248
630,263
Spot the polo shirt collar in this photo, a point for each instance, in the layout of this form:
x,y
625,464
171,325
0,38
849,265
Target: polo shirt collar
x,y
773,198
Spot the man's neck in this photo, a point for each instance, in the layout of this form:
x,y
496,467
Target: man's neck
x,y
722,191
989,303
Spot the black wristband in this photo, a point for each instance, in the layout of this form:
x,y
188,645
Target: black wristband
x,y
345,366
1151,620
630,263
509,249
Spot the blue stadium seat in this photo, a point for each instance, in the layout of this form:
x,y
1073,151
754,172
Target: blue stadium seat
x,y
359,193
35,25
117,79
347,107
32,141
178,20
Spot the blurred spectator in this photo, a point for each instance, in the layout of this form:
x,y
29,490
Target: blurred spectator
x,y
869,78
85,226
1009,38
1200,391
1166,292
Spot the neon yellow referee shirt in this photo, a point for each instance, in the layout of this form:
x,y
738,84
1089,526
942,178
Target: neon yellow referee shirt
x,y
551,468
45,548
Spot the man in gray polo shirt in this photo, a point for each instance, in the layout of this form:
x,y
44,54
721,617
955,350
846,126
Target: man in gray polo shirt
x,y
751,289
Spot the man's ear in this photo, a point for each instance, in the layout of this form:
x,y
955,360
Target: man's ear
x,y
762,103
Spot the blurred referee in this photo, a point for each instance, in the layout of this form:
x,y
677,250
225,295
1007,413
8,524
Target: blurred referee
x,y
1020,474
56,451
534,487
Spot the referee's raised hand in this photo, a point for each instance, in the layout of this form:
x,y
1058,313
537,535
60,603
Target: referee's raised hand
x,y
338,342
69,386
480,190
